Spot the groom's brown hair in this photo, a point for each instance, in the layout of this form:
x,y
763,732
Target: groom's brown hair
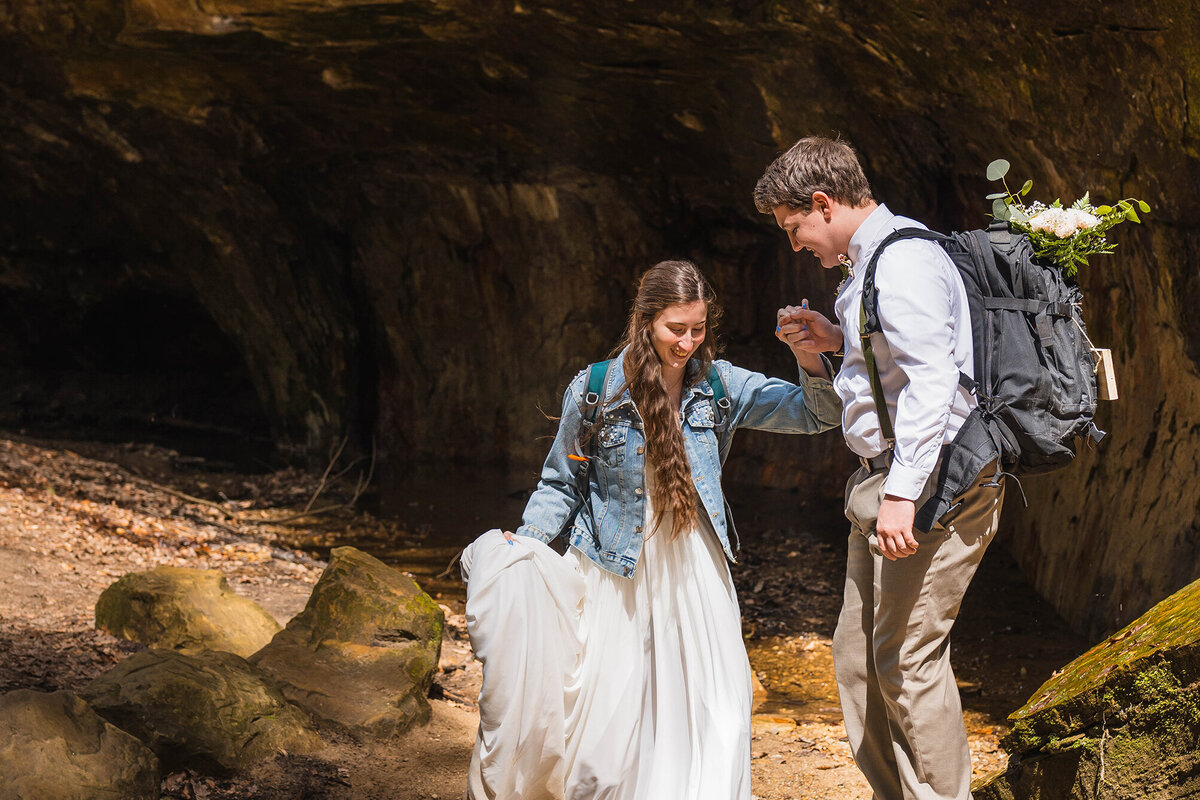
x,y
813,164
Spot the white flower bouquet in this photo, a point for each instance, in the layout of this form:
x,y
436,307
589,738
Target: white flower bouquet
x,y
1065,237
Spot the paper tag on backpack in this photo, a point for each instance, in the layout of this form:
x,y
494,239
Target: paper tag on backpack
x,y
1106,375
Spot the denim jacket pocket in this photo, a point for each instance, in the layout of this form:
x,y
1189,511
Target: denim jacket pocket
x,y
702,423
701,417
612,438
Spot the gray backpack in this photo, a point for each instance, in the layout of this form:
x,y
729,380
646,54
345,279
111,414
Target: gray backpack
x,y
1035,375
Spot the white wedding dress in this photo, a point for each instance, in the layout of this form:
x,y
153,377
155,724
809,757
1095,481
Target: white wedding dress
x,y
599,687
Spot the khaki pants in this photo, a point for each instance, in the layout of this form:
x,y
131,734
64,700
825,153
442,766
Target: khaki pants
x,y
891,650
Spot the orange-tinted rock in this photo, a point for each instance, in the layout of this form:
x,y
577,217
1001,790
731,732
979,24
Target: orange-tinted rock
x,y
362,654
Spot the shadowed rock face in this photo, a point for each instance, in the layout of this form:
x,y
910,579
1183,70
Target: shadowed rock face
x,y
209,711
55,745
417,220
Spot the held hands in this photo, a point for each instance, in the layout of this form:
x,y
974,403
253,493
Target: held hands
x,y
893,529
808,334
807,331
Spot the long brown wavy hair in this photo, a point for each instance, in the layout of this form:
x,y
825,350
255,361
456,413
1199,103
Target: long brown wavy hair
x,y
667,283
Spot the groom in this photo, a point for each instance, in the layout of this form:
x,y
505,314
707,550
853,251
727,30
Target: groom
x,y
891,648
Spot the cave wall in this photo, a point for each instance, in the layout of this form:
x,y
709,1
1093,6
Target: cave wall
x,y
412,222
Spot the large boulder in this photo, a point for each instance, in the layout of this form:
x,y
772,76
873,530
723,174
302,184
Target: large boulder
x,y
210,711
54,747
176,608
362,654
1121,722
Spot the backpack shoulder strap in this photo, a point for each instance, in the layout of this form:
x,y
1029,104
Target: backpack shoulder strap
x,y
720,400
885,419
593,397
868,321
870,293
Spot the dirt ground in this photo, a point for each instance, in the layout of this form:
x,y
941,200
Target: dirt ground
x,y
74,518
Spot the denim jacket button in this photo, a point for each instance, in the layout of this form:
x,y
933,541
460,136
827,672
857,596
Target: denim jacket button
x,y
638,490
641,449
638,529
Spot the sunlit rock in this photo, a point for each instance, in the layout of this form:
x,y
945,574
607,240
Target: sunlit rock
x,y
54,746
362,654
1121,722
176,608
210,711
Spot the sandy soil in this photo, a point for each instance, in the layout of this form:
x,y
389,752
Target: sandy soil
x,y
75,518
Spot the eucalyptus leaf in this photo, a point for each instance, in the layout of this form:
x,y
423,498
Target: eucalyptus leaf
x,y
1025,189
997,195
1131,215
1001,210
997,169
1144,206
1102,210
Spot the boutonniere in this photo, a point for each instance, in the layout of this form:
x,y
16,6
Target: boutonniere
x,y
847,272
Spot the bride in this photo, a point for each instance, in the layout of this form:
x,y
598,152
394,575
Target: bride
x,y
618,671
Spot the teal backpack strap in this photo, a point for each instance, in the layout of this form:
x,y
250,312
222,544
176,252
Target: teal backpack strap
x,y
721,408
597,377
720,401
593,399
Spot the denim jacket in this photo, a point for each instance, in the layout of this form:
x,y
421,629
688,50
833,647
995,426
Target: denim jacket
x,y
609,528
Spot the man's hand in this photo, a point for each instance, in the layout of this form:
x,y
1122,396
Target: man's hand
x,y
808,331
893,529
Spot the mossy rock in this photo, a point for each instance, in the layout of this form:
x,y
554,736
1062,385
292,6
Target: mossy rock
x,y
1121,721
211,711
53,746
190,610
361,656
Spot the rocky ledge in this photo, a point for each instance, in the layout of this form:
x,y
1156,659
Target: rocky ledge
x,y
1121,722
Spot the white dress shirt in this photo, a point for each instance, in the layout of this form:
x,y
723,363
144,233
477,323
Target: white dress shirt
x,y
926,342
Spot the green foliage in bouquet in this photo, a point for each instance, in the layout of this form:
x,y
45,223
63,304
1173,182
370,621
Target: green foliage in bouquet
x,y
1065,237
